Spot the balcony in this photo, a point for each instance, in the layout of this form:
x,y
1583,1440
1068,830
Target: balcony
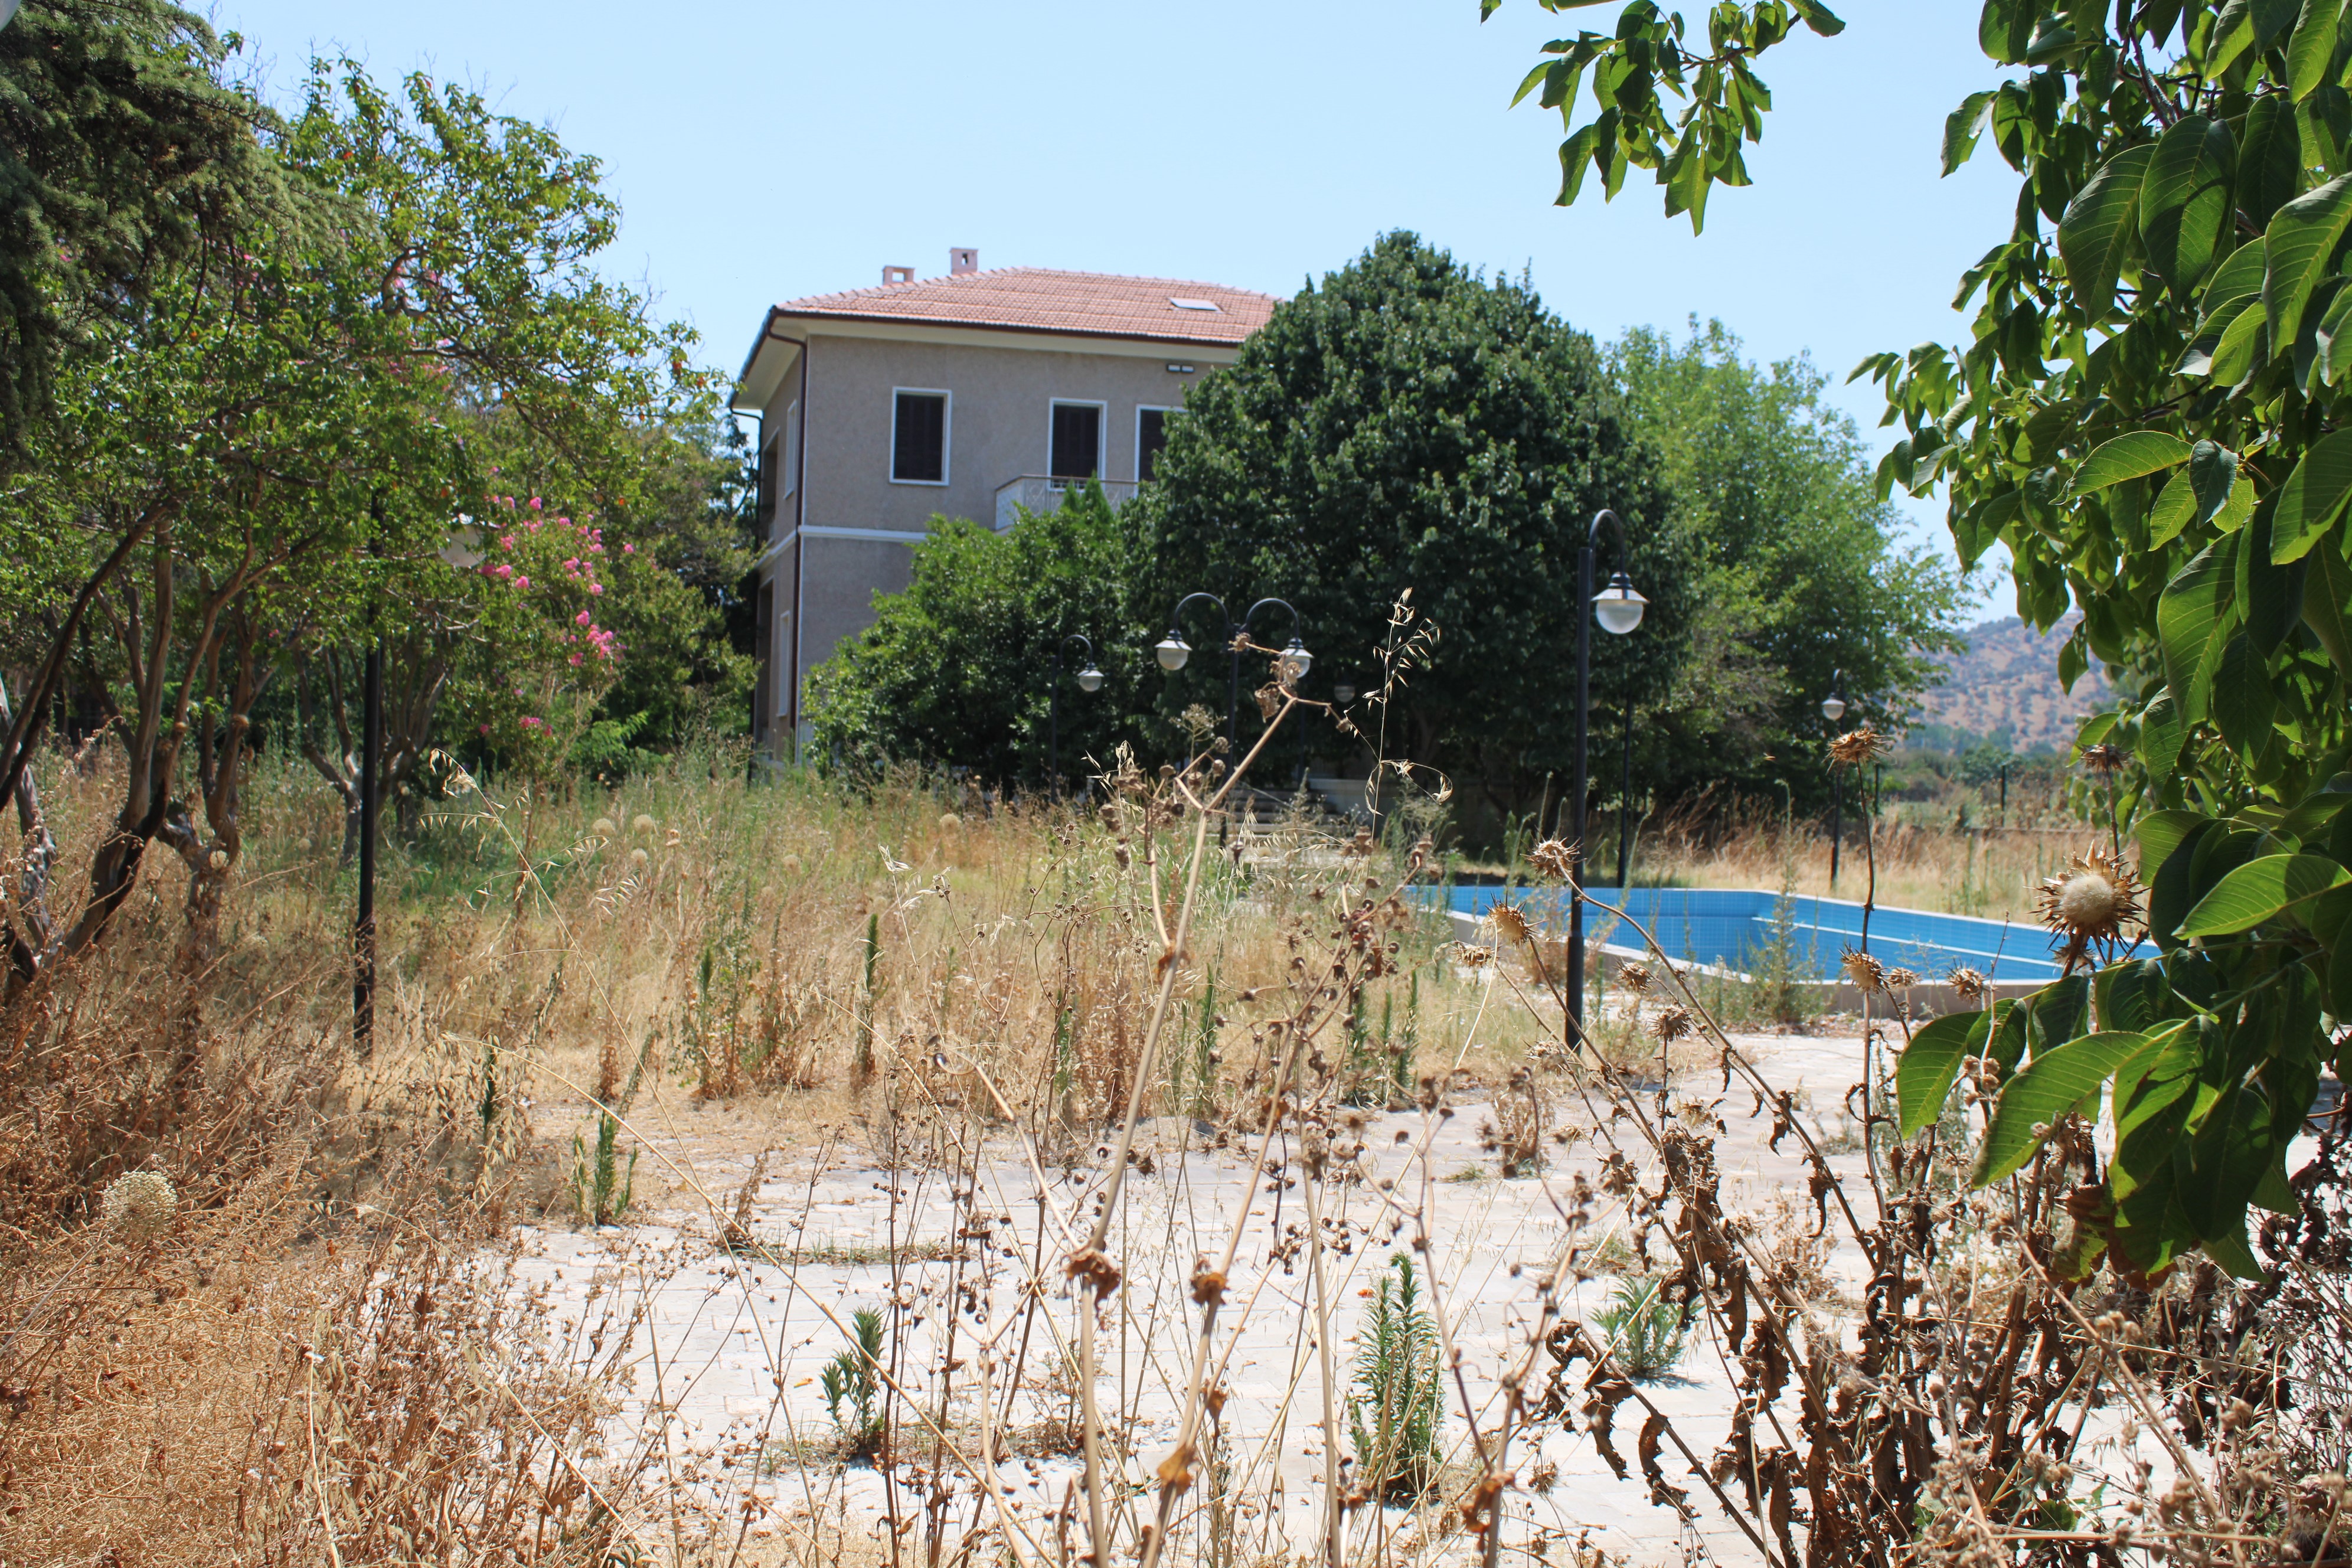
x,y
1040,493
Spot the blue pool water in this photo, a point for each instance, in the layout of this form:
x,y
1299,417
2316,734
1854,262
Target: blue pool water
x,y
1729,926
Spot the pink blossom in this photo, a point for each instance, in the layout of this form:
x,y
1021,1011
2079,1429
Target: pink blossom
x,y
523,582
534,503
502,570
486,729
581,619
575,661
595,588
530,723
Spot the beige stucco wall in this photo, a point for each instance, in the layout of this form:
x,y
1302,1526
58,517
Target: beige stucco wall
x,y
999,415
1003,387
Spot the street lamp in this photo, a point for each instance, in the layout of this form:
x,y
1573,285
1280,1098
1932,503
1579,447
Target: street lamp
x,y
1343,693
1834,710
1290,667
1172,650
1089,679
1618,609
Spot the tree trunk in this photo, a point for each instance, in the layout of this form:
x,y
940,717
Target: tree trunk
x,y
30,950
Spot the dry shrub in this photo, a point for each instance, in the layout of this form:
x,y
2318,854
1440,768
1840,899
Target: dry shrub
x,y
228,1393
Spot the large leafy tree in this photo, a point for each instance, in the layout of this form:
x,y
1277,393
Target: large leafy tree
x,y
1770,491
956,669
2151,413
563,394
263,454
125,160
1407,423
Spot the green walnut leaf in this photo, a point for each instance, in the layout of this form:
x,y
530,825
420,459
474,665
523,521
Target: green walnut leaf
x,y
2131,456
2260,889
1923,1076
2052,1084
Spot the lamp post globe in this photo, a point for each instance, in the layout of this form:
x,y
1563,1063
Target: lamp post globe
x,y
1172,651
1617,607
1834,708
1295,662
1343,693
1090,679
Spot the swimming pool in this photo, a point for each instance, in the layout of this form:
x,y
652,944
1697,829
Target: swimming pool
x,y
1728,926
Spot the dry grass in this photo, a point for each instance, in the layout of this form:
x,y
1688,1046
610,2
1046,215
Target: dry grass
x,y
1090,1116
1926,860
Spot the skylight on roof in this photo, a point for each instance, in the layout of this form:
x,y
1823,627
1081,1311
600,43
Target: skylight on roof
x,y
1194,304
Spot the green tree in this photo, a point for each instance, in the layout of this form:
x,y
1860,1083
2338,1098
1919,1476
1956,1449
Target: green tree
x,y
1408,424
580,418
956,669
262,453
1771,493
124,158
2151,414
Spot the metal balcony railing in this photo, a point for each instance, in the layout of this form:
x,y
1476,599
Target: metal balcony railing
x,y
1042,492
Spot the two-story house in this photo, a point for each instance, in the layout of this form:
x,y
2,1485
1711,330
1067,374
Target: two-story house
x,y
971,394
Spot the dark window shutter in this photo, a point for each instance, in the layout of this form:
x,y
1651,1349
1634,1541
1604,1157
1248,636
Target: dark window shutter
x,y
920,449
1150,436
1077,440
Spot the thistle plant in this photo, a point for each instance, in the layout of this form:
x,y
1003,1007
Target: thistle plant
x,y
1393,1416
601,1186
1647,1332
853,1385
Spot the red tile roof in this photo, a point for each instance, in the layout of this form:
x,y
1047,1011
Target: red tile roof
x,y
1034,299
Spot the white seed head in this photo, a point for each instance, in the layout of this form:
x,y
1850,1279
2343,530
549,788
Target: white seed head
x,y
139,1205
2088,902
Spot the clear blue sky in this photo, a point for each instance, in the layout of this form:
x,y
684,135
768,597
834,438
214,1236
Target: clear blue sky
x,y
765,151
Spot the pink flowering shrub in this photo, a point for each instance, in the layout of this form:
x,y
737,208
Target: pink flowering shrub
x,y
545,659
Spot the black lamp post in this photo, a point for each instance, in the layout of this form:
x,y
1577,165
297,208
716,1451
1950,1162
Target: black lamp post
x,y
1625,800
364,918
1618,608
1089,680
1834,710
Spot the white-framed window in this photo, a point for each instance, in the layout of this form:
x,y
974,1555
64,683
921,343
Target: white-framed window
x,y
920,417
1073,439
791,459
1150,436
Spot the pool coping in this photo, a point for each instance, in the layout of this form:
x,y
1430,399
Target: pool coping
x,y
1928,1000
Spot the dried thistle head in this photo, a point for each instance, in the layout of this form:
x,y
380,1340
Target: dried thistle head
x,y
1635,976
1556,858
1510,922
1866,973
2091,901
1475,957
1671,1024
1862,744
1969,985
1900,980
139,1206
2102,758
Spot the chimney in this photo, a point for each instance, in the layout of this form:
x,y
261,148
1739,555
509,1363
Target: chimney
x,y
962,258
897,274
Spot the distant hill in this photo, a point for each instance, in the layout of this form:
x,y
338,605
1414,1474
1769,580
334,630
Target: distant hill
x,y
2008,681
